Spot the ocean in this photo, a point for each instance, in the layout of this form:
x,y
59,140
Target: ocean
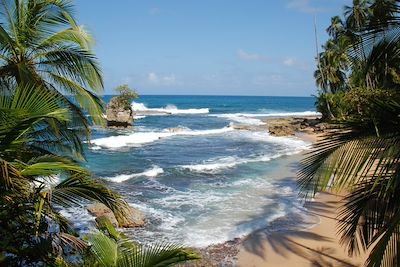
x,y
198,180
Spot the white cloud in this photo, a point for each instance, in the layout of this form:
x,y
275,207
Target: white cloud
x,y
165,80
152,77
250,56
169,80
293,62
289,62
304,6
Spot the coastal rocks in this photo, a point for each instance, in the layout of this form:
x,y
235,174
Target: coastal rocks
x,y
245,127
118,114
100,211
135,218
224,254
289,126
282,127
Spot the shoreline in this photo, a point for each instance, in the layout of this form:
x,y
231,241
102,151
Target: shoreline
x,y
310,245
318,245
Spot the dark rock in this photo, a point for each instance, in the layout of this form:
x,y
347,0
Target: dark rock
x,y
118,113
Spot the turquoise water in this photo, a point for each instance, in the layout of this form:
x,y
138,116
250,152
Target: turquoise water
x,y
197,179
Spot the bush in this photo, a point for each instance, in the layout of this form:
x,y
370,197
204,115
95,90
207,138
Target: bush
x,y
357,102
125,97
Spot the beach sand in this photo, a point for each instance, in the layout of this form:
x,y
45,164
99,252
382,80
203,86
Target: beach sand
x,y
317,246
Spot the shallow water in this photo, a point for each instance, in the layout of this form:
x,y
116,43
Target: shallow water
x,y
202,182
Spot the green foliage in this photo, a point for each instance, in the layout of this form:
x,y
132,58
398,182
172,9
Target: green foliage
x,y
361,152
120,254
112,248
41,45
358,102
33,142
334,104
125,97
49,78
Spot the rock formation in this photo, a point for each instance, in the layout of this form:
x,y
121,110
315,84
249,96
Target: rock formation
x,y
135,218
118,113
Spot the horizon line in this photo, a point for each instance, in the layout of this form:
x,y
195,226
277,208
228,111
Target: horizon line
x,y
213,95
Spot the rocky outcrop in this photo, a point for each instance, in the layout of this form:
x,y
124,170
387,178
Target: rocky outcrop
x,y
100,211
289,126
134,217
118,113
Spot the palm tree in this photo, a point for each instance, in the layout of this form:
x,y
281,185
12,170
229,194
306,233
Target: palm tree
x,y
30,199
361,154
109,253
113,249
41,44
336,28
357,15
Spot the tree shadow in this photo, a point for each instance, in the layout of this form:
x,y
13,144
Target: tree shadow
x,y
285,242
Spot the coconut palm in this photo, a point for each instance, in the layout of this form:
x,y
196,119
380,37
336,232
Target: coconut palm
x,y
109,253
361,154
41,44
33,128
113,249
336,28
358,14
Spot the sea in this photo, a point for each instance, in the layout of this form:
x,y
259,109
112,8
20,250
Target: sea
x,y
198,179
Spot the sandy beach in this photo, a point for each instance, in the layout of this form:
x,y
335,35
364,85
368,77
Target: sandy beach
x,y
316,246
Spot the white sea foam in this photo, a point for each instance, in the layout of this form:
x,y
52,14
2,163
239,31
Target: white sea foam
x,y
217,165
153,172
293,144
272,114
290,146
139,138
213,216
168,110
242,119
138,117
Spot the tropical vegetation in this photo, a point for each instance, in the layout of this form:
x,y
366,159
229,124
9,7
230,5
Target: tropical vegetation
x,y
124,97
49,78
358,76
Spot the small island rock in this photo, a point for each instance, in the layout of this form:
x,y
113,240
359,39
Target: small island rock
x,y
135,218
118,114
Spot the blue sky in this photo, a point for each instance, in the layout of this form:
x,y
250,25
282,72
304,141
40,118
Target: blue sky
x,y
208,47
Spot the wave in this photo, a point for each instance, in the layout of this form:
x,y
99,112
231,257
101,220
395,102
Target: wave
x,y
219,164
291,145
240,118
153,172
139,138
140,108
272,114
138,117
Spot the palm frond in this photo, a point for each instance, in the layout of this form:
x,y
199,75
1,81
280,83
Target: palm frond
x,y
80,187
105,249
111,253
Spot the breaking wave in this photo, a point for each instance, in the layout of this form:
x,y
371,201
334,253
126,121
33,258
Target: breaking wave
x,y
139,138
140,108
153,172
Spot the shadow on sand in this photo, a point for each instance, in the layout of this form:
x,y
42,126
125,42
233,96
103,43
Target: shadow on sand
x,y
285,243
